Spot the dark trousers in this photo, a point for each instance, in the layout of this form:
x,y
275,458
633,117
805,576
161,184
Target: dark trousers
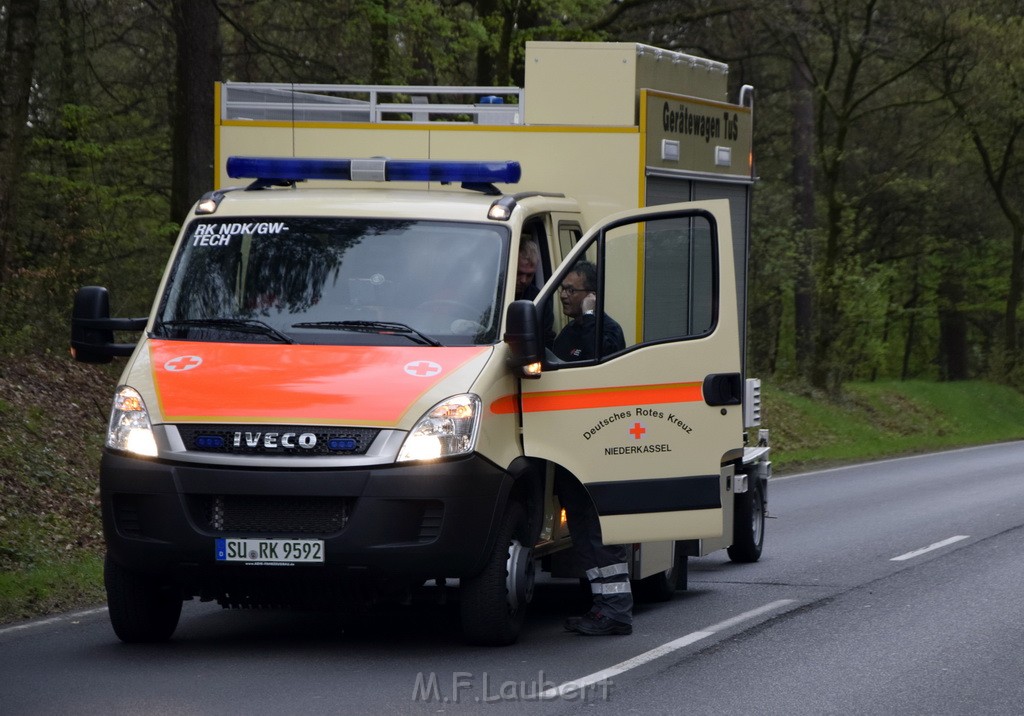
x,y
606,566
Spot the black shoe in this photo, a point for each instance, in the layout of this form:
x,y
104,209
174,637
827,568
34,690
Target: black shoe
x,y
596,624
571,623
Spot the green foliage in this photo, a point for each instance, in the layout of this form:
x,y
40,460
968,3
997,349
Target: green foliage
x,y
885,419
51,587
88,216
895,267
92,197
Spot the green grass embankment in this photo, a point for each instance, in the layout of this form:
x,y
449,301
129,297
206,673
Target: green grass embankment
x,y
879,420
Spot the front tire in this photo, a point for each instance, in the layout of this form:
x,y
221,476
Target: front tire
x,y
748,524
141,610
493,603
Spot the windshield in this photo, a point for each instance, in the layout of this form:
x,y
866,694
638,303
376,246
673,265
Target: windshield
x,y
336,281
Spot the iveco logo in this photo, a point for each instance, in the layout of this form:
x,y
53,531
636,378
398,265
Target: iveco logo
x,y
275,441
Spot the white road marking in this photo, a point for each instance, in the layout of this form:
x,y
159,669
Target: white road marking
x,y
577,685
929,548
51,620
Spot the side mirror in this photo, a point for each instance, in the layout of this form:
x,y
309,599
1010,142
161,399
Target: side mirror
x,y
92,328
522,334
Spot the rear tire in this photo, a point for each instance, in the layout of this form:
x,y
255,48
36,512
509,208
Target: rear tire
x,y
748,524
493,603
141,610
662,586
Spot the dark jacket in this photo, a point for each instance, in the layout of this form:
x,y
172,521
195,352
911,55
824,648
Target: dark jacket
x,y
577,340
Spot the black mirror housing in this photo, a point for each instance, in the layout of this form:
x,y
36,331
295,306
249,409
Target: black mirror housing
x,y
522,334
92,328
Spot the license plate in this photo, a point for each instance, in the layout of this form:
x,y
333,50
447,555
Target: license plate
x,y
271,551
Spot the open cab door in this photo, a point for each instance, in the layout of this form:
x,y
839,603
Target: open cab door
x,y
644,419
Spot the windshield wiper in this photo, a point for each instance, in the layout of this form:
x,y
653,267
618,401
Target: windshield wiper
x,y
372,327
242,325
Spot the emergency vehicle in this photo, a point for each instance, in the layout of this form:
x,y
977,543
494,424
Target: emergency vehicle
x,y
336,396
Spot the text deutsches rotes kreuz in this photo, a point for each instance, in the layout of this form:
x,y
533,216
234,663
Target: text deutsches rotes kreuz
x,y
648,413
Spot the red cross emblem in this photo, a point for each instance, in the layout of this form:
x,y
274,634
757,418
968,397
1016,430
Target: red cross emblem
x,y
637,431
422,368
180,363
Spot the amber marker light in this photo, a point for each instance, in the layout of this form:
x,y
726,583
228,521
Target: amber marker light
x,y
532,370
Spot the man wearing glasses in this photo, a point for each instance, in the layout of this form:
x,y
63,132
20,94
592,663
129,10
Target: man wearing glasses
x,y
578,340
605,566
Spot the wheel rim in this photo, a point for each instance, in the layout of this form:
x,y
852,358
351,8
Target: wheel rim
x,y
520,575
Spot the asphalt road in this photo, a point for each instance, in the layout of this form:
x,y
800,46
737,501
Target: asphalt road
x,y
886,588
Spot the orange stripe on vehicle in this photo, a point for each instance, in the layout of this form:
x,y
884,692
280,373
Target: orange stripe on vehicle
x,y
353,385
601,398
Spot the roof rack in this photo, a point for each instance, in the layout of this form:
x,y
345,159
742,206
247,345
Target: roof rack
x,y
265,101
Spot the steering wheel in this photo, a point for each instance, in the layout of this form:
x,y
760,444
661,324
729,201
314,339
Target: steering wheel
x,y
448,316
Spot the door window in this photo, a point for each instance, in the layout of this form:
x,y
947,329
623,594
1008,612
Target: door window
x,y
637,283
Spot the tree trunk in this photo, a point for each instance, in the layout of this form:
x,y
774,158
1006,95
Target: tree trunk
x,y
1015,292
486,62
911,306
953,364
824,372
803,200
15,88
380,45
196,29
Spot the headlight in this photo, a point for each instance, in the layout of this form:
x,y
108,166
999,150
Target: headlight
x,y
449,428
130,429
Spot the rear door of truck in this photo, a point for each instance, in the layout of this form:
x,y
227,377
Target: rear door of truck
x,y
645,422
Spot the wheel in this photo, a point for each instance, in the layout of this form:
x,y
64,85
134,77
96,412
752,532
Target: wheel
x,y
140,609
662,586
748,524
493,603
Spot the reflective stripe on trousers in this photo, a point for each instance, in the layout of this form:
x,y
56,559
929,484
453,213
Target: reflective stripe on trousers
x,y
611,587
612,570
614,579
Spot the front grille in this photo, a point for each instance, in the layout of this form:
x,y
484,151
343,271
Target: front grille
x,y
262,514
291,440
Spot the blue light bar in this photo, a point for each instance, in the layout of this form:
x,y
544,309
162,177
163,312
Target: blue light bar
x,y
288,169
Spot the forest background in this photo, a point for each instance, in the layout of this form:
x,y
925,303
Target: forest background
x,y
888,219
888,222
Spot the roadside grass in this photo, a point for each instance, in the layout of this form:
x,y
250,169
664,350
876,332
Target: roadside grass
x,y
53,416
51,587
879,420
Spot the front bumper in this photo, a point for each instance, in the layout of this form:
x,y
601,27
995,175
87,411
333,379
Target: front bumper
x,y
394,524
